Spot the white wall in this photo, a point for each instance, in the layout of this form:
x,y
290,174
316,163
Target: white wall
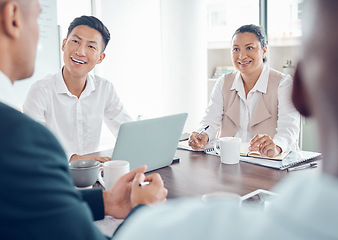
x,y
157,56
184,59
47,57
133,55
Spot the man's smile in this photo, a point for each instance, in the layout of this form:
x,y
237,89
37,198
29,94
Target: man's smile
x,y
77,61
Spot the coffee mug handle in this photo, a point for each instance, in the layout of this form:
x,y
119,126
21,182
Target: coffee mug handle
x,y
216,145
99,177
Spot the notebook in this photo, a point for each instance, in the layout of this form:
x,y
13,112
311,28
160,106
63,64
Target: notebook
x,y
293,158
150,142
245,152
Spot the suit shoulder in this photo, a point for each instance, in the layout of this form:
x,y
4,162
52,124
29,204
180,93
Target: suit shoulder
x,y
16,124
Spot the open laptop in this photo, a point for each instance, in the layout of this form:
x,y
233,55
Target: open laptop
x,y
151,142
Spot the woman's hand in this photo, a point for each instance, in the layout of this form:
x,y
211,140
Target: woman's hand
x,y
265,145
200,142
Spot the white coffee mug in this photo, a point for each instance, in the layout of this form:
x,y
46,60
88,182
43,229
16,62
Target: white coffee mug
x,y
222,196
112,171
229,149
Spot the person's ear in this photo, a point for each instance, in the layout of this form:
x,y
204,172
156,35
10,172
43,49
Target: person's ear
x,y
102,56
265,49
300,96
64,42
12,19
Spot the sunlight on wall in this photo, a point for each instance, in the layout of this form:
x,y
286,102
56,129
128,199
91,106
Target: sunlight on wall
x,y
133,56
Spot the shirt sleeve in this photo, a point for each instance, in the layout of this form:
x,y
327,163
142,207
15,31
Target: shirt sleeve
x,y
212,220
36,103
115,113
214,112
288,122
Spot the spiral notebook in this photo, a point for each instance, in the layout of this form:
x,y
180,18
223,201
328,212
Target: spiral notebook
x,y
293,158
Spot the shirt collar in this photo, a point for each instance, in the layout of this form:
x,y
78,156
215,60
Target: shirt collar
x,y
7,95
90,86
61,86
261,84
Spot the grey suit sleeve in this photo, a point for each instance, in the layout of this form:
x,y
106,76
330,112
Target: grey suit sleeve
x,y
94,199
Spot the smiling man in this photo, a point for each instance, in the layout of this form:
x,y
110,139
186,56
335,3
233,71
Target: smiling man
x,y
72,103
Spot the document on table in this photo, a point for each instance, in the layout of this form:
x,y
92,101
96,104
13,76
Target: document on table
x,y
108,225
209,148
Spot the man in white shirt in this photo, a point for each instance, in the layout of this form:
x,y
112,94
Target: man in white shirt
x,y
74,104
306,207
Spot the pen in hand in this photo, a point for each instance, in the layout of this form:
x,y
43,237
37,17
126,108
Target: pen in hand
x,y
203,130
146,183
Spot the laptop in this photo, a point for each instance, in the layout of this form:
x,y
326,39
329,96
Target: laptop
x,y
151,142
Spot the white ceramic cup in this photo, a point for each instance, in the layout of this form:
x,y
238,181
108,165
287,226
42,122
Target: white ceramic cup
x,y
222,196
230,148
112,171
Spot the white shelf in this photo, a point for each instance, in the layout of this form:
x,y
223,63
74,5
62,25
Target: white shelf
x,y
285,42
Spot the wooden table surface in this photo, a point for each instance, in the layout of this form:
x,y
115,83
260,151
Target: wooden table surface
x,y
198,173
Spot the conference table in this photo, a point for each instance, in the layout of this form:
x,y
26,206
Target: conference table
x,y
198,173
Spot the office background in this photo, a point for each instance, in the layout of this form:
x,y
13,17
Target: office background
x,y
163,54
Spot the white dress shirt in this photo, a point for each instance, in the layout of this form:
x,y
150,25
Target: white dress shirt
x,y
288,117
76,122
7,95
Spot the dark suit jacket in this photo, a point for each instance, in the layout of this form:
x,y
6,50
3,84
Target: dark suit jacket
x,y
38,199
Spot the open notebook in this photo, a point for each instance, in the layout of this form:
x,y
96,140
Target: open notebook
x,y
245,152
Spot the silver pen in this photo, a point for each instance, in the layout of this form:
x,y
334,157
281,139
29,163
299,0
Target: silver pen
x,y
203,130
305,166
144,184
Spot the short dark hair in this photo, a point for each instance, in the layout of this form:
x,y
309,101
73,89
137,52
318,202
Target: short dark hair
x,y
91,22
258,31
